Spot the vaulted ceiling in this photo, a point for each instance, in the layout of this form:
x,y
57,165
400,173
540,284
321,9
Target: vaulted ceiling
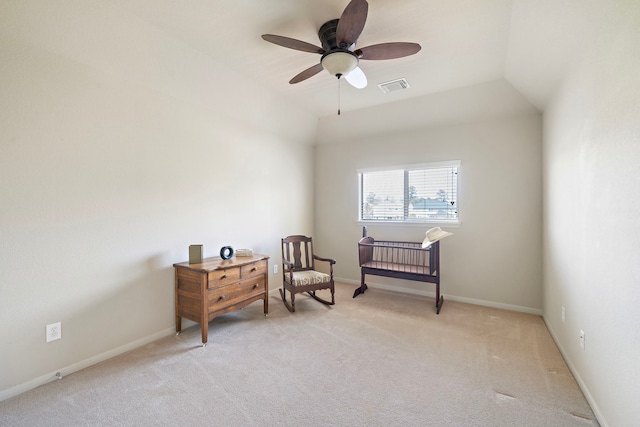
x,y
529,43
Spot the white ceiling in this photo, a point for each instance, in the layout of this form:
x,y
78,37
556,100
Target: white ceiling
x,y
530,43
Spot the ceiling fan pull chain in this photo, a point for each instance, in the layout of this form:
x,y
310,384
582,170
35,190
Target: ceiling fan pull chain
x,y
338,95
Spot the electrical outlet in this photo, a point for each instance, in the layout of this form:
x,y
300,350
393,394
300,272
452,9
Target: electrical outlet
x,y
275,268
563,316
582,339
54,331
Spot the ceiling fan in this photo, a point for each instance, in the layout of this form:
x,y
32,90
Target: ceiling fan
x,y
339,54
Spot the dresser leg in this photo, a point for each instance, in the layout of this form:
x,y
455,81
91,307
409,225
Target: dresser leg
x,y
205,333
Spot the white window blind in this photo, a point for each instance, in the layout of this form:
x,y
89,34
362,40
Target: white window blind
x,y
416,193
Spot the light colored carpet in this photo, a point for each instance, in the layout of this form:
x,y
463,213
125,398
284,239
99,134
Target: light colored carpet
x,y
381,359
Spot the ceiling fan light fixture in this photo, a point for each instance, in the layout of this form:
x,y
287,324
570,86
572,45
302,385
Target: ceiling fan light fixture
x,y
339,63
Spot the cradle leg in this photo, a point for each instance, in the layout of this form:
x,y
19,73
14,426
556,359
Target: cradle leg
x,y
363,287
439,304
360,290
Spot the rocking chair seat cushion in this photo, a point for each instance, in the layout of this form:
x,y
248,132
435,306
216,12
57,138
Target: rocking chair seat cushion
x,y
309,277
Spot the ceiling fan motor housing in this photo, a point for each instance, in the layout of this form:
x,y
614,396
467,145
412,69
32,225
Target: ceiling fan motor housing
x,y
327,35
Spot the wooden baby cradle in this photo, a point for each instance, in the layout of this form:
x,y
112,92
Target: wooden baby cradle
x,y
400,260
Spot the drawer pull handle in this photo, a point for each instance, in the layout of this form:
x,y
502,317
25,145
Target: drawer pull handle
x,y
255,286
253,269
224,276
221,298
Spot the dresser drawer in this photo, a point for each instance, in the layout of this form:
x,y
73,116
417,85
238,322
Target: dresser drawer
x,y
253,270
224,277
226,296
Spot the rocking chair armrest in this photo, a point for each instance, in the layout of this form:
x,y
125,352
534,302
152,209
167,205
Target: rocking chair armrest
x,y
288,268
288,263
329,260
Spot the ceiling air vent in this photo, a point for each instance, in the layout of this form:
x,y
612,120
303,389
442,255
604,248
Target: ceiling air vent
x,y
394,85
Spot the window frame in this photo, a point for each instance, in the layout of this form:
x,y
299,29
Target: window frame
x,y
408,221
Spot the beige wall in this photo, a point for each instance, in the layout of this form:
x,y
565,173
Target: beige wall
x,y
494,258
591,215
114,158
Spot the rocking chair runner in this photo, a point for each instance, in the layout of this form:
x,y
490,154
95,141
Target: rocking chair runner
x,y
299,274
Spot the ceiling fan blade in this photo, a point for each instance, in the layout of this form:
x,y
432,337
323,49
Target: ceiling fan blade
x,y
309,72
351,23
356,78
293,43
388,50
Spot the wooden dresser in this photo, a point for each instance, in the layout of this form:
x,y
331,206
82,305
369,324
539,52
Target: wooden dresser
x,y
217,286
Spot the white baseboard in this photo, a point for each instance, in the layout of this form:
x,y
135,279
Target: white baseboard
x,y
576,375
522,309
52,376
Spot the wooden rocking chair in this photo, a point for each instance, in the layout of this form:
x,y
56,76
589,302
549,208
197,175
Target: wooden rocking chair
x,y
299,274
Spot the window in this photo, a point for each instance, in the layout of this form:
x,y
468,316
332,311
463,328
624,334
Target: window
x,y
416,193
